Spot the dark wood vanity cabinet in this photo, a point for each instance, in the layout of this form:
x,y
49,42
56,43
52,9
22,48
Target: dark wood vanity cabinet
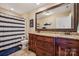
x,y
32,42
53,46
41,45
67,47
45,46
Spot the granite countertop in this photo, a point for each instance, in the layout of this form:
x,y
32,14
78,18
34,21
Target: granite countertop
x,y
57,35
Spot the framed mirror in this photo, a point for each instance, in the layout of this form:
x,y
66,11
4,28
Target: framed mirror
x,y
61,17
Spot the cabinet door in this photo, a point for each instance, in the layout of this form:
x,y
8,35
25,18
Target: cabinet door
x,y
32,42
67,47
40,52
49,47
45,46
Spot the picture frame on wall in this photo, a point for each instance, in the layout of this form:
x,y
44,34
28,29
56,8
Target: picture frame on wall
x,y
31,23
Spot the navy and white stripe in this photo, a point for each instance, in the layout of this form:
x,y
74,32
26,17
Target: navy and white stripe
x,y
12,31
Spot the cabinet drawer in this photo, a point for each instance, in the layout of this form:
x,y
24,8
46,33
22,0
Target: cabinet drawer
x,y
44,38
49,39
71,43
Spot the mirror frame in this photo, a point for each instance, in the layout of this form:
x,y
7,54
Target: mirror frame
x,y
74,18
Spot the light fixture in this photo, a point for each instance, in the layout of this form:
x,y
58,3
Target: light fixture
x,y
47,13
11,9
37,3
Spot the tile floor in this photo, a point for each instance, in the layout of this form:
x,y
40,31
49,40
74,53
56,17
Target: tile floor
x,y
24,52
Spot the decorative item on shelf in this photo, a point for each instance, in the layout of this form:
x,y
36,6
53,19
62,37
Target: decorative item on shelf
x,y
47,24
31,23
44,27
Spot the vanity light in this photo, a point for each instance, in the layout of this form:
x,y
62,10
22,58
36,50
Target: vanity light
x,y
37,3
47,13
11,9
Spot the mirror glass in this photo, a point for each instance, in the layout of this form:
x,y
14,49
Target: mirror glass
x,y
56,18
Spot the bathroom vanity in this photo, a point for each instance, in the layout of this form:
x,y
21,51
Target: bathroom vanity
x,y
54,44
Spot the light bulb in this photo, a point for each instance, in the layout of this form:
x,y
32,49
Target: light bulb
x,y
11,9
37,3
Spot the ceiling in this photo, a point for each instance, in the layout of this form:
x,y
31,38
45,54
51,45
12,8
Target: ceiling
x,y
22,7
